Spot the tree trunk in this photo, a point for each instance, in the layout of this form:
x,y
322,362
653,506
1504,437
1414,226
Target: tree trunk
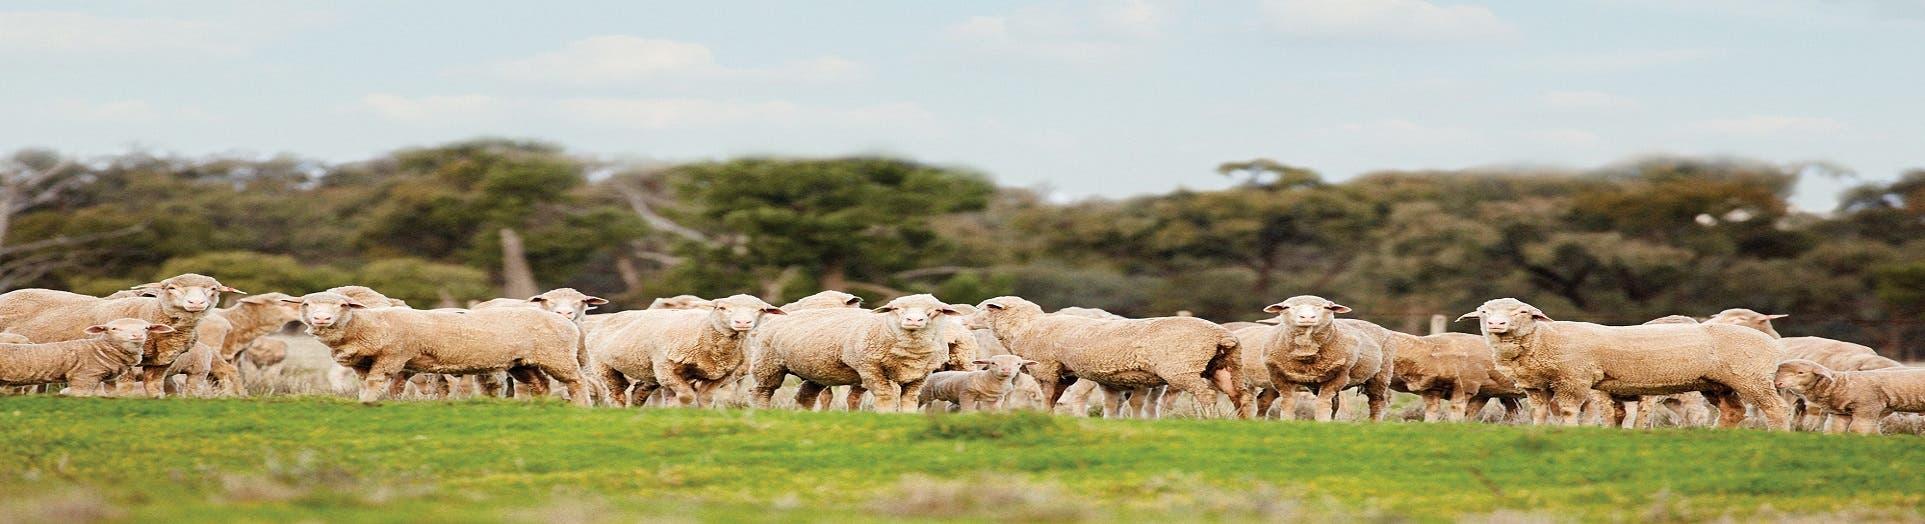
x,y
631,277
833,277
772,289
518,281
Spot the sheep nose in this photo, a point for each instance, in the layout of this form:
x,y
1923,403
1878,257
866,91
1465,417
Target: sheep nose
x,y
742,324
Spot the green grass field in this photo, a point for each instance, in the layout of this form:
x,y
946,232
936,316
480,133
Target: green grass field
x,y
297,458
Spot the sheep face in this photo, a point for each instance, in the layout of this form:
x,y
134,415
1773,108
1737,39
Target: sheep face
x,y
1744,317
1004,366
325,310
128,334
1507,316
567,302
1797,375
678,302
189,292
738,313
272,306
915,312
1306,311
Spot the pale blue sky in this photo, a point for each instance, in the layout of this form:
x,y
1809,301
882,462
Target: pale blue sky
x,y
1088,98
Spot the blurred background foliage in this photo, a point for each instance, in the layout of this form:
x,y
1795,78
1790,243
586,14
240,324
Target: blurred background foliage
x,y
1618,244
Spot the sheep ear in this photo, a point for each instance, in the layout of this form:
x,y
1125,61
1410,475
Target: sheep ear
x,y
1776,317
1470,315
950,311
160,328
1030,362
1340,308
884,309
853,302
95,330
1270,321
149,285
983,362
537,299
292,300
354,305
594,301
992,305
1539,315
1274,308
772,310
226,289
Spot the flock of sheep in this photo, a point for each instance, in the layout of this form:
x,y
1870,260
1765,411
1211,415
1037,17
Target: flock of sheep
x,y
918,352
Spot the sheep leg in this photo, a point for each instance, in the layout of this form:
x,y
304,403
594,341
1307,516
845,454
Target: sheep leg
x,y
827,400
1432,399
1540,405
1153,402
1266,400
1137,399
1167,403
382,375
806,395
1202,390
1474,408
616,383
1325,407
1569,401
226,375
910,392
1620,411
888,393
1231,384
768,378
853,398
1512,408
1839,423
1112,401
1759,391
672,376
153,379
530,380
1865,419
1079,394
489,384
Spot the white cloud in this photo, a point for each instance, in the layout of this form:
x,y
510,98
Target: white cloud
x,y
1759,126
614,59
1385,20
65,32
1628,60
1585,100
1395,131
437,109
131,111
683,113
1566,138
1060,32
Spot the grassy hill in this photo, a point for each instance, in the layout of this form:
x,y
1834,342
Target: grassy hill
x,y
294,458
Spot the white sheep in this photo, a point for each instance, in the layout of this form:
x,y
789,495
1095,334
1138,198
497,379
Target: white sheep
x,y
1564,362
888,351
1456,369
1313,349
1857,400
974,390
689,351
47,315
381,343
1188,354
114,348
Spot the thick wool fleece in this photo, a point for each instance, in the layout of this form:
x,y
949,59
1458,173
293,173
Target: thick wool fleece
x,y
1451,367
46,315
1567,361
381,344
1326,357
83,364
1856,399
875,350
689,351
1188,354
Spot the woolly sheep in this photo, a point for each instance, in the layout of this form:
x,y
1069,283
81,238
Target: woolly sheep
x,y
1566,361
264,358
50,316
973,390
1144,402
888,351
1857,400
677,302
1312,349
567,302
367,296
809,394
115,347
382,343
1453,368
1188,354
688,351
1833,354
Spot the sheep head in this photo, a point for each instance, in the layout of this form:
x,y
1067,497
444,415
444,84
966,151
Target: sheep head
x,y
1797,375
191,293
1507,316
271,306
1306,311
326,310
567,302
1745,317
678,302
824,300
1004,366
127,334
738,313
915,312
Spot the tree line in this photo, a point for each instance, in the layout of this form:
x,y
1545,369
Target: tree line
x,y
483,218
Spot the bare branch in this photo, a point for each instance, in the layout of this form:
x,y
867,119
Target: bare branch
x,y
638,201
61,241
932,271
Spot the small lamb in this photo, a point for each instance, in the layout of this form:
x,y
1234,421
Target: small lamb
x,y
973,390
83,364
1856,399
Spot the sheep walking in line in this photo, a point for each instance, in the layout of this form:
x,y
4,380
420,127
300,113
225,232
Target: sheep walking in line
x,y
46,315
1836,355
1454,373
974,390
689,351
888,351
114,348
1856,400
382,343
1564,362
1188,354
